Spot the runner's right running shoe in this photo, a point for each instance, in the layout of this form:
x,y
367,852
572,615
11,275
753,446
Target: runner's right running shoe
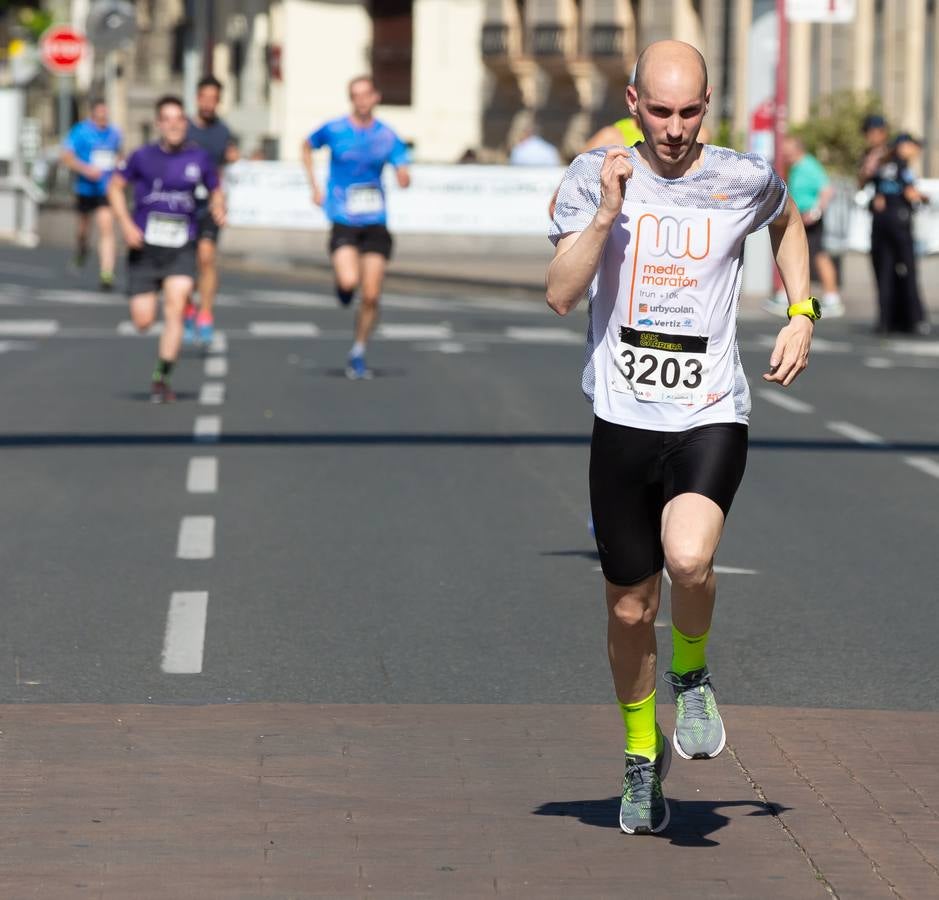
x,y
699,729
356,369
161,392
644,809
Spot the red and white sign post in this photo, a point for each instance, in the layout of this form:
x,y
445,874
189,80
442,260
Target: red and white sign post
x,y
61,48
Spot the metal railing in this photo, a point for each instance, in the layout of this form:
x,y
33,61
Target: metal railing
x,y
547,40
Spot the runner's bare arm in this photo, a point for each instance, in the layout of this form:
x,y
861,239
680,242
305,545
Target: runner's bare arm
x,y
790,355
306,155
403,174
118,202
217,206
577,256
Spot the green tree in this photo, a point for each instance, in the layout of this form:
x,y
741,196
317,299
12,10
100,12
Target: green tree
x,y
832,133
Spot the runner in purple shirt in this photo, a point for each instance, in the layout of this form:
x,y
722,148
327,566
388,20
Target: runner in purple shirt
x,y
161,232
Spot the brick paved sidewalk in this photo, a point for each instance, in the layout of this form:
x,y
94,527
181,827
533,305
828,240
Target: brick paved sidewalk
x,y
296,801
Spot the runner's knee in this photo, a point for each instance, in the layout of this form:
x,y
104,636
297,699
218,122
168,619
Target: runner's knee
x,y
631,611
688,566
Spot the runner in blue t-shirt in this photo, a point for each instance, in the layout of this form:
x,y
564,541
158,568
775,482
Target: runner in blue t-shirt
x,y
161,234
360,244
91,150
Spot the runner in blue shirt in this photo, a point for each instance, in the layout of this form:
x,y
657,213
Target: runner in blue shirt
x,y
166,178
360,243
91,150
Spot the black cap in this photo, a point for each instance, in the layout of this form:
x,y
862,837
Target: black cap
x,y
905,137
874,120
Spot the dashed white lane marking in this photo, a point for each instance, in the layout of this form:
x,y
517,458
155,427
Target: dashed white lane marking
x,y
819,345
733,570
202,476
924,464
196,537
878,362
7,346
216,367
128,330
790,404
184,641
79,298
403,332
207,429
544,335
219,344
283,329
443,347
912,348
212,393
28,327
855,433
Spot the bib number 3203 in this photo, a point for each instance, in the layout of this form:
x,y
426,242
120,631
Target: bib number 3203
x,y
663,368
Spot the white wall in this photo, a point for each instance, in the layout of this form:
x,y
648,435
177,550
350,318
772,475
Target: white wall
x,y
327,43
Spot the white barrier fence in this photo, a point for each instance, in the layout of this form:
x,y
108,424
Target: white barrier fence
x,y
441,199
493,200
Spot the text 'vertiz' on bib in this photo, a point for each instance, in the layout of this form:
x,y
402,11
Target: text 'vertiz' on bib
x,y
364,200
661,368
166,230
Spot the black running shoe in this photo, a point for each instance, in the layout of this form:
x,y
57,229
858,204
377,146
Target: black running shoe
x,y
161,392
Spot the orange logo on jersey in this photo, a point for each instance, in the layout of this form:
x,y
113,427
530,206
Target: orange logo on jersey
x,y
672,237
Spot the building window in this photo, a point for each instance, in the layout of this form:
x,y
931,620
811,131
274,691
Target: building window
x,y
392,49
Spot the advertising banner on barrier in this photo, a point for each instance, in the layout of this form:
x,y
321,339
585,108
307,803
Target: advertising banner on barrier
x,y
493,200
441,199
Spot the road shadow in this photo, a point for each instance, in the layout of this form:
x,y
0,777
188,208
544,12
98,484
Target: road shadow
x,y
335,372
692,823
144,397
581,554
409,439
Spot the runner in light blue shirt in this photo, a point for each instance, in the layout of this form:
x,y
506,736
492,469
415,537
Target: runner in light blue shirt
x,y
360,245
91,150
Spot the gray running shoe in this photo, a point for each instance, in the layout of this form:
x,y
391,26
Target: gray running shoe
x,y
644,809
699,730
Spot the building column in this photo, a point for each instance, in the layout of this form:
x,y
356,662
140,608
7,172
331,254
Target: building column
x,y
914,64
800,71
863,76
743,21
686,25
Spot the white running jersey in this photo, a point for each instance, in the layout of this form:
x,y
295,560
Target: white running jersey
x,y
662,338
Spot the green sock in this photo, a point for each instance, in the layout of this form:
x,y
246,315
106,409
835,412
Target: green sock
x,y
641,732
162,369
688,653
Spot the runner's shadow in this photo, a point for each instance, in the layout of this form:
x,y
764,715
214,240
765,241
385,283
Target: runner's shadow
x,y
331,372
144,396
583,554
692,822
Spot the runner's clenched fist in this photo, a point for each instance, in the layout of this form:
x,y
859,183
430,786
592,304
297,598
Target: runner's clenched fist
x,y
614,173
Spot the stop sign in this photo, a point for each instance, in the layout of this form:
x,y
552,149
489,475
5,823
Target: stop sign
x,y
61,48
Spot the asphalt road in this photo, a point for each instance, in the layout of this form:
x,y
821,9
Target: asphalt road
x,y
422,537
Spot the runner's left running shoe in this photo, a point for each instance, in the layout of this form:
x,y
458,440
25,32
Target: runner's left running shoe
x,y
699,729
161,392
189,323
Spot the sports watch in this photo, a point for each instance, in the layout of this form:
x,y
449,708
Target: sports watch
x,y
809,307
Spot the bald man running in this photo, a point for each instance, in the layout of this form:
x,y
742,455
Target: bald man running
x,y
654,233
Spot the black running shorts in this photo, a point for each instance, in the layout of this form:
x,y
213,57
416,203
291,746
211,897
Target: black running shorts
x,y
366,238
85,203
148,266
206,226
634,473
815,233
